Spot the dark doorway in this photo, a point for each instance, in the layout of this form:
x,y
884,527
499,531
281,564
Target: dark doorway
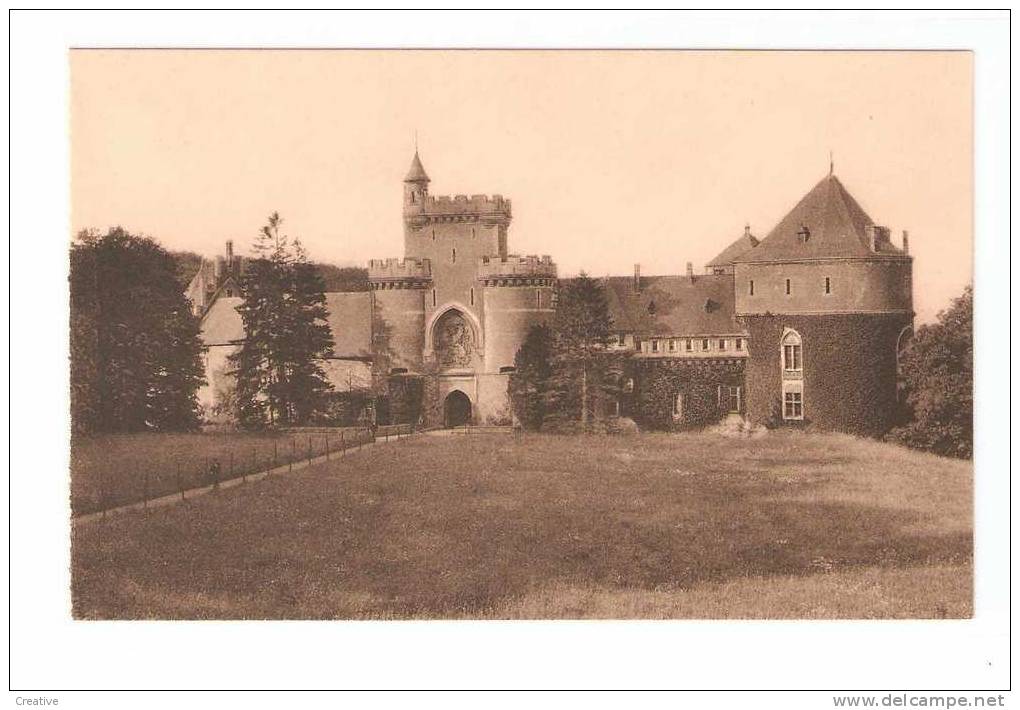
x,y
457,409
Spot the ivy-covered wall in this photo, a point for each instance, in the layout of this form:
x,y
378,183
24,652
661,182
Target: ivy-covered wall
x,y
849,366
658,381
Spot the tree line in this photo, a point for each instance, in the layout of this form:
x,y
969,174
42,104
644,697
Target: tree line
x,y
136,357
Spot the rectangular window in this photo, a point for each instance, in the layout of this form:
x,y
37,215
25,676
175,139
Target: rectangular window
x,y
792,358
722,343
453,258
433,297
751,289
734,398
672,344
538,298
788,287
655,346
828,286
740,343
621,340
689,345
473,297
793,405
704,344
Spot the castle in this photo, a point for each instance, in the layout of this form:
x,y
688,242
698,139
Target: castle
x,y
804,325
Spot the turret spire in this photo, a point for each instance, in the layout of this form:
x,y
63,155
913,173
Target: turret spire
x,y
417,172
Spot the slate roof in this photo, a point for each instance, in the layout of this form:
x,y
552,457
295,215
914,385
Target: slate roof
x,y
673,305
350,320
417,172
221,324
745,243
837,225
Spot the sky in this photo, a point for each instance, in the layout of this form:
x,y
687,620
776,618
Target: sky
x,y
610,158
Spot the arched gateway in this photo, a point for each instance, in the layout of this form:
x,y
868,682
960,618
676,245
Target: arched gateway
x,y
457,409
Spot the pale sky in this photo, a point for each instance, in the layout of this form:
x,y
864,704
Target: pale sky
x,y
610,158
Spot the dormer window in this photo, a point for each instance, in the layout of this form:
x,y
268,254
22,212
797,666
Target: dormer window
x,y
804,234
704,344
651,307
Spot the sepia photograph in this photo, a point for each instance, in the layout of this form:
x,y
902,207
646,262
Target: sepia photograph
x,y
482,351
521,335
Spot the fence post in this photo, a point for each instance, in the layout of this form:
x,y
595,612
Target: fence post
x,y
103,503
309,450
180,485
343,447
327,446
293,454
145,490
275,454
231,463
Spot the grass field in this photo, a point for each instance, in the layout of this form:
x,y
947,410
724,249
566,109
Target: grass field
x,y
793,525
111,470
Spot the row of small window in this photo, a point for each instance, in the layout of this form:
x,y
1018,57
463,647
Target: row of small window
x,y
673,344
827,289
728,398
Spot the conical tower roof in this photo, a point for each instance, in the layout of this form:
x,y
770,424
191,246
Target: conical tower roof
x,y
417,172
826,223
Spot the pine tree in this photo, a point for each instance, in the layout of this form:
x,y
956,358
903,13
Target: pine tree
x,y
529,381
309,340
582,373
279,376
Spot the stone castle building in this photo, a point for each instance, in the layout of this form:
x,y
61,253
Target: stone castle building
x,y
803,325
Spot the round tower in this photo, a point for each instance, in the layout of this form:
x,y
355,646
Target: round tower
x,y
416,192
517,293
824,298
398,312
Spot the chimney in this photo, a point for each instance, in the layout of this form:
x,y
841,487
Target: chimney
x,y
690,271
230,252
637,277
219,269
871,237
906,242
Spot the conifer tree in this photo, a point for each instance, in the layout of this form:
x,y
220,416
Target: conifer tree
x,y
283,311
582,372
529,381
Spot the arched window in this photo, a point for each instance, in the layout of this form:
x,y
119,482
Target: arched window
x,y
792,355
678,406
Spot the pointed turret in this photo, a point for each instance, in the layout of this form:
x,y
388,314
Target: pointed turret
x,y
417,172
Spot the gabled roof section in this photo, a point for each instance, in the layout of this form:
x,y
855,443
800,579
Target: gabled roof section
x,y
673,305
827,223
745,243
350,320
221,324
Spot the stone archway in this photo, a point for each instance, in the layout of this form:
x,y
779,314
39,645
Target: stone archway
x,y
456,410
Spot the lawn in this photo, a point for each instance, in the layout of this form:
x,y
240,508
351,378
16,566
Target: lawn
x,y
793,525
111,470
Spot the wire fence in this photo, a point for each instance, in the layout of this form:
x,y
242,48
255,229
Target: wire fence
x,y
212,461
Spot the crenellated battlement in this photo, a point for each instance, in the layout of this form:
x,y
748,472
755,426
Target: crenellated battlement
x,y
399,269
515,267
461,205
